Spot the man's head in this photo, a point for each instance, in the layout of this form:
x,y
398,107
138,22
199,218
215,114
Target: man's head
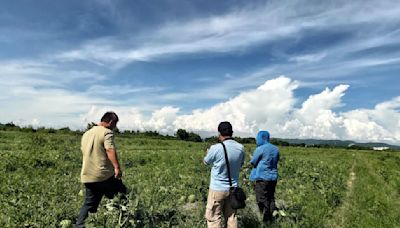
x,y
110,120
225,129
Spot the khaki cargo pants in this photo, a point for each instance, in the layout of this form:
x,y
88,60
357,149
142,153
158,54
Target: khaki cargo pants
x,y
217,206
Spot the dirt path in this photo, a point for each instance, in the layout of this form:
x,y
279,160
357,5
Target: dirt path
x,y
339,216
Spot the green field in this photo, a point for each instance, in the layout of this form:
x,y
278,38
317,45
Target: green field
x,y
168,185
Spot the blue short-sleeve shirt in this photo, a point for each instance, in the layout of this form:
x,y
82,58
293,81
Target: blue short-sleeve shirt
x,y
219,174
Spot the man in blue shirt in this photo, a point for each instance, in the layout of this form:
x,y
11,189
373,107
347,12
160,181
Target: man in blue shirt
x,y
265,174
218,203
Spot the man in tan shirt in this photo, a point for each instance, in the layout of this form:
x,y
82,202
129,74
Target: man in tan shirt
x,y
101,173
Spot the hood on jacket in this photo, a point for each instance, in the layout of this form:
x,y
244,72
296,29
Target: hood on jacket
x,y
262,138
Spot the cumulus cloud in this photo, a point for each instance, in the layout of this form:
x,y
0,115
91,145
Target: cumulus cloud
x,y
380,123
316,118
272,106
263,107
47,107
268,104
131,118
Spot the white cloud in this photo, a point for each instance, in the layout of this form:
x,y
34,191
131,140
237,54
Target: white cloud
x,y
49,107
316,118
129,117
101,90
310,58
321,103
41,72
238,29
360,126
272,106
248,111
33,93
163,120
380,123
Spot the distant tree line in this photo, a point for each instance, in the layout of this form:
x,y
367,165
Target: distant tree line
x,y
13,127
181,134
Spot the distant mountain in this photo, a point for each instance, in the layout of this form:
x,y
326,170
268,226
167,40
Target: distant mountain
x,y
339,143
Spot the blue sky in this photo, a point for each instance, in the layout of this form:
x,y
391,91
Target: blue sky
x,y
163,65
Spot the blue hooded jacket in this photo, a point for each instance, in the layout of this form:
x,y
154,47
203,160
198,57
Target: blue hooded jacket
x,y
265,159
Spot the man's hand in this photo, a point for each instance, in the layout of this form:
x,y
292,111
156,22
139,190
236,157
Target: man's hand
x,y
117,173
112,155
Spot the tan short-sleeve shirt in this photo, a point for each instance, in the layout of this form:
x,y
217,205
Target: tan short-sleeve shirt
x,y
96,166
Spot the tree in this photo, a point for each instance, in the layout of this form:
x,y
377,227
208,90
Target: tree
x,y
279,142
194,137
212,139
182,134
64,130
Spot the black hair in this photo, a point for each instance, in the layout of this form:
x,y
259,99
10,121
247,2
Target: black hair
x,y
108,116
225,128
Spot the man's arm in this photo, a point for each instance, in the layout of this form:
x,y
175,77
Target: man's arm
x,y
242,157
111,152
209,158
112,155
204,162
256,158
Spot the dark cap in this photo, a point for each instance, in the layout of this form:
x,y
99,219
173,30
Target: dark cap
x,y
225,128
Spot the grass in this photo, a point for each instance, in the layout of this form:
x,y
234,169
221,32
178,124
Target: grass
x,y
40,185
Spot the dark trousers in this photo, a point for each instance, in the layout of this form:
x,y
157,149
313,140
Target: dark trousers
x,y
265,197
95,192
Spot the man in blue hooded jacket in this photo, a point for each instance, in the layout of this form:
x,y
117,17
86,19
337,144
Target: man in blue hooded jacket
x,y
265,174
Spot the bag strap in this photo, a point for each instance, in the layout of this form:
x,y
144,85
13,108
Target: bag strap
x,y
227,164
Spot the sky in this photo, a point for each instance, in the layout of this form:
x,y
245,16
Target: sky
x,y
299,69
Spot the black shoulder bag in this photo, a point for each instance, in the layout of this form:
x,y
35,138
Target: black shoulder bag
x,y
237,197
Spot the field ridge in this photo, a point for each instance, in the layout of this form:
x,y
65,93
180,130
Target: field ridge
x,y
339,216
